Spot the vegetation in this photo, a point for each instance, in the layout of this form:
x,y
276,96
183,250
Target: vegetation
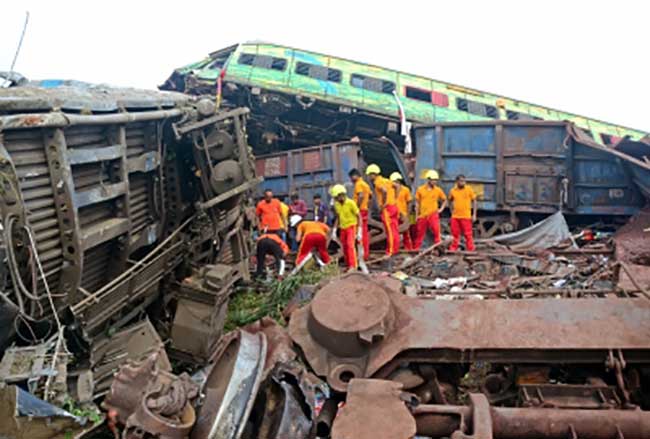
x,y
269,298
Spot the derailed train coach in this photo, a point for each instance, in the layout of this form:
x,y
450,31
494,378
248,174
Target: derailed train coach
x,y
117,201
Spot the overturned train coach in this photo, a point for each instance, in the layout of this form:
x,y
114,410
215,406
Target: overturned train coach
x,y
116,201
517,367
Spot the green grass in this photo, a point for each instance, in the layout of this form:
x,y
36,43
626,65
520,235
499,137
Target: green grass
x,y
249,305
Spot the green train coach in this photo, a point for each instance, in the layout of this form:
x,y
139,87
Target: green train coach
x,y
282,82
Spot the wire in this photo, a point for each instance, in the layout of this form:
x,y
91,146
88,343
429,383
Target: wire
x,y
20,44
59,340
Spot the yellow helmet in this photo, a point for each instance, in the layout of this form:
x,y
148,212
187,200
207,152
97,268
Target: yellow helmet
x,y
337,190
396,176
431,175
373,169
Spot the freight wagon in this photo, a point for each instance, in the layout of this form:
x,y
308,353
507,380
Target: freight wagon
x,y
308,171
526,167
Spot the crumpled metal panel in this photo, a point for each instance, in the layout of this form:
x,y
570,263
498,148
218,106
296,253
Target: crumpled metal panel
x,y
23,416
231,387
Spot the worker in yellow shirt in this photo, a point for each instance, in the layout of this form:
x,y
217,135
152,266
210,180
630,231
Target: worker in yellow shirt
x,y
387,202
463,213
348,219
428,208
362,195
404,199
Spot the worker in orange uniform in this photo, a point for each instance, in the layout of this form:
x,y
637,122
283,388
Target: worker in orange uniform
x,y
312,235
348,219
428,208
271,244
362,195
463,213
404,199
269,214
387,202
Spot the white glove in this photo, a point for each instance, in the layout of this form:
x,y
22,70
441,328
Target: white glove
x,y
334,233
359,235
282,267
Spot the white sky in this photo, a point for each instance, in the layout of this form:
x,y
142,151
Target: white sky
x,y
587,57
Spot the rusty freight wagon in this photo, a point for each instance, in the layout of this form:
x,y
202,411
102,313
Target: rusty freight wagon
x,y
527,167
308,171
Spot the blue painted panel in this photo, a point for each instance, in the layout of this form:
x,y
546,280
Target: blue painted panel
x,y
469,139
548,140
479,169
426,151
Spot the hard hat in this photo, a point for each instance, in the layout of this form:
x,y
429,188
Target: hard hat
x,y
294,220
373,169
337,190
396,176
432,175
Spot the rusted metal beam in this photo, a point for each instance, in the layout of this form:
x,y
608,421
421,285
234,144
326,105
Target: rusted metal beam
x,y
60,120
438,421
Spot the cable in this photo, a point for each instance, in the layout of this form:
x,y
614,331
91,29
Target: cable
x,y
59,340
20,44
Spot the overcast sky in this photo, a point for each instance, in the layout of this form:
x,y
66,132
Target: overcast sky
x,y
587,57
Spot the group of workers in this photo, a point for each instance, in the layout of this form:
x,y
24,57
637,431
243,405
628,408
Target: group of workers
x,y
349,222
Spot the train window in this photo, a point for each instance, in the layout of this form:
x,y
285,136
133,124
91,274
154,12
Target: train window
x,y
246,59
609,139
587,131
263,61
418,94
321,73
477,108
516,115
372,84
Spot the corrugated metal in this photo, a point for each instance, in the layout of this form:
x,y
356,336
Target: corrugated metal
x,y
308,171
520,166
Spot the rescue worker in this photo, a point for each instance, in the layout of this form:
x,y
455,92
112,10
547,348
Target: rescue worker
x,y
404,199
362,195
269,214
428,208
387,202
312,235
348,218
463,213
271,244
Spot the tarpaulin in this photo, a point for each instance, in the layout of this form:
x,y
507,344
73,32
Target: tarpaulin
x,y
544,234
